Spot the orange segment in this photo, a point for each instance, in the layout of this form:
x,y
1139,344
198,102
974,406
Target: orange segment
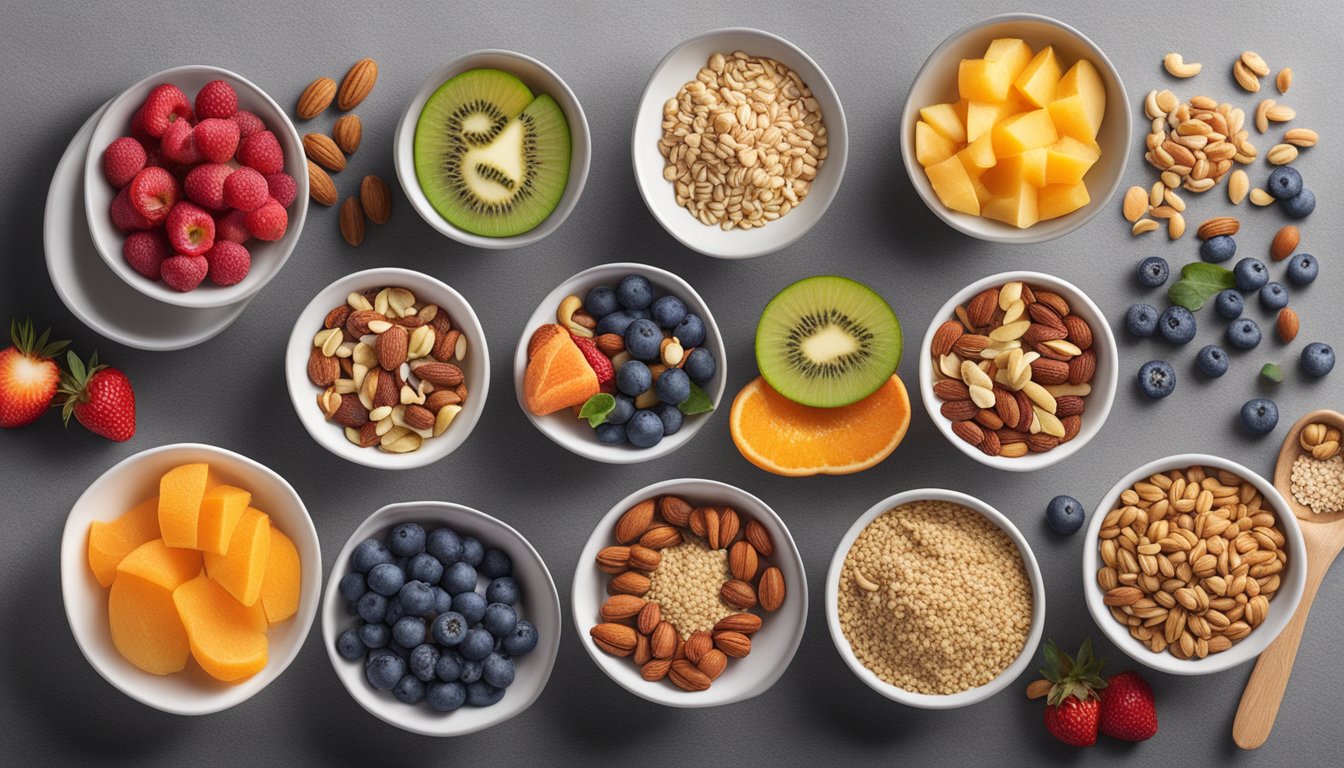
x,y
783,437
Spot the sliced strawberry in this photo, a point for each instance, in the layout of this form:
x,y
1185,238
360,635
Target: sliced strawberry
x,y
28,375
153,193
599,362
164,106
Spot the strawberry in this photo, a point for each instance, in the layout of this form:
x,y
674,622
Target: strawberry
x,y
1128,711
599,362
1072,709
28,375
99,397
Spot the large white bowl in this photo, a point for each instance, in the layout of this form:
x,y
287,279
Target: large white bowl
x,y
1281,607
303,393
772,648
538,77
267,257
678,67
540,605
574,434
134,479
936,83
925,700
1098,403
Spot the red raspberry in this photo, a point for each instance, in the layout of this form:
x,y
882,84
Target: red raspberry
x,y
599,362
164,106
179,144
282,187
229,263
232,226
153,193
153,154
145,252
124,215
205,185
191,230
216,99
248,123
138,131
183,273
268,222
123,159
216,138
245,189
262,151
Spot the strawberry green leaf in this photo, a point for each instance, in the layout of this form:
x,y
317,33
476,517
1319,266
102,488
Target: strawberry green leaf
x,y
597,409
1199,282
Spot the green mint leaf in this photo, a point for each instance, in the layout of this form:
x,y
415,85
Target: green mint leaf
x,y
1272,372
698,402
597,409
1199,282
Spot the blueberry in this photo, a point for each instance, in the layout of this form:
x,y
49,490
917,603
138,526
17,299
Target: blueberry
x,y
521,640
395,611
409,631
483,694
1284,182
700,365
417,598
1141,319
446,697
442,600
499,619
633,378
496,564
449,666
386,579
375,653
471,605
625,408
635,292
671,418
601,301
673,387
385,671
400,650
1228,303
409,690
1302,269
375,635
449,628
471,670
503,590
460,577
424,661
369,553
1157,379
645,429
473,551
1259,416
668,311
497,670
1065,515
372,607
425,567
407,540
1243,333
643,339
616,323
476,645
1218,248
640,314
1301,206
1251,274
1177,324
444,544
1318,359
1212,361
350,646
690,331
610,434
1274,296
1153,272
353,586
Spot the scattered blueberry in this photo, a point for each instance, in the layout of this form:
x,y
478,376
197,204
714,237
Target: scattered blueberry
x,y
409,631
690,331
449,666
1065,515
445,544
1141,319
633,378
616,323
1301,206
406,540
1157,379
446,697
372,607
645,429
497,670
1259,416
350,646
1302,269
386,579
409,690
601,301
625,408
700,365
473,551
1274,296
375,635
459,578
385,671
1318,359
1177,324
424,661
668,311
610,434
1243,333
369,553
1218,248
671,418
482,694
353,586
425,567
1228,303
471,605
1212,361
643,339
1251,274
521,640
476,645
500,619
449,628
635,292
417,599
1153,272
673,387
503,590
1284,182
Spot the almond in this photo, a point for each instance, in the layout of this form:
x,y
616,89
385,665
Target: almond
x,y
1025,414
358,82
389,389
645,559
712,529
663,640
610,344
687,677
660,537
351,412
1082,368
1040,332
634,521
620,607
347,133
1010,436
655,670
746,623
629,583
989,419
368,435
441,397
713,663
738,594
1054,301
1072,426
981,309
445,345
329,402
1219,225
1046,372
760,539
991,446
674,509
322,150
698,645
440,374
418,417
352,221
729,525
951,389
1080,333
376,199
734,644
316,98
613,560
1285,242
1006,405
649,617
643,650
616,639
697,520
946,336
320,186
771,586
336,318
1041,442
968,431
1068,405
959,410
742,561
1288,324
1044,315
392,345
322,370
971,344
358,321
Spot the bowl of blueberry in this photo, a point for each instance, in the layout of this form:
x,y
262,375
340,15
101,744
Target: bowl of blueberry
x,y
621,363
439,619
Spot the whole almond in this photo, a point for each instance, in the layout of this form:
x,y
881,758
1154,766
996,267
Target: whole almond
x,y
649,616
440,398
614,560
389,389
968,431
959,410
348,132
660,537
1041,442
1219,225
760,539
392,345
688,677
316,98
729,525
440,374
644,558
1047,372
629,583
368,435
742,561
320,186
418,417
1121,596
738,594
1054,301
1082,368
1043,314
634,522
376,199
746,623
1069,405
352,221
621,607
971,344
358,82
445,345
1285,242
734,644
351,412
1006,405
697,645
674,509
616,639
1080,333
1025,414
320,148
610,344
663,640
945,337
981,309
951,389
322,370
713,663
336,318
1072,426
1039,332
771,587
358,321
1288,324
643,650
991,446
989,419
655,670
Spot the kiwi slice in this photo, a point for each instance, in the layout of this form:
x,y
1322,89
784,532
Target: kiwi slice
x,y
491,157
827,341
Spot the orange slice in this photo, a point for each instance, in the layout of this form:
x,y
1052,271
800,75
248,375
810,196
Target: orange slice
x,y
783,437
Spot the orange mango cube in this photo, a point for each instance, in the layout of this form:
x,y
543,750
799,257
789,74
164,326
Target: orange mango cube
x,y
220,509
111,541
240,572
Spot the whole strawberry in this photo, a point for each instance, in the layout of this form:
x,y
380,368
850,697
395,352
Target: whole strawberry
x,y
28,375
1128,710
1072,709
99,397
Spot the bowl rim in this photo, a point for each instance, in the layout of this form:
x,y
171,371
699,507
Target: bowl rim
x,y
302,391
924,700
1243,651
601,533
581,145
217,296
836,127
275,666
1099,402
623,454
1003,233
445,512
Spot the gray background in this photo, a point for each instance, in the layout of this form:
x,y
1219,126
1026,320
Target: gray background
x,y
60,63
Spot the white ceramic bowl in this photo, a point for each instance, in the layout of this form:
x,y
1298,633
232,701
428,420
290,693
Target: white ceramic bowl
x,y
936,83
678,67
134,479
1281,607
924,700
574,434
267,257
1098,403
540,605
303,393
772,648
538,77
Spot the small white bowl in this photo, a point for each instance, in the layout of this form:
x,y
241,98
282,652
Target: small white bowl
x,y
925,700
540,605
267,257
772,648
303,393
574,434
678,67
936,83
538,77
1281,608
134,479
1098,403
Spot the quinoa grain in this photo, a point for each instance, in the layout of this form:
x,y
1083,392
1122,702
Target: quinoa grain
x,y
686,587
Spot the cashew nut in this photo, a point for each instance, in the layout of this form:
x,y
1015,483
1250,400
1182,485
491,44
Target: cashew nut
x,y
1177,66
565,316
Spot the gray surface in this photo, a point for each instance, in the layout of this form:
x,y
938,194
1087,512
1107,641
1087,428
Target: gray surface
x,y
60,64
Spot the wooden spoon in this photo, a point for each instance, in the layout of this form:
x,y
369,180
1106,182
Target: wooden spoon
x,y
1324,538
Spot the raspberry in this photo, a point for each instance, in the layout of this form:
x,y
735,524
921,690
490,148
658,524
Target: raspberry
x,y
124,215
153,193
268,222
599,362
138,131
191,230
183,273
245,190
179,144
164,106
153,154
216,138
229,263
232,226
123,159
282,187
205,185
248,123
216,99
262,152
145,252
